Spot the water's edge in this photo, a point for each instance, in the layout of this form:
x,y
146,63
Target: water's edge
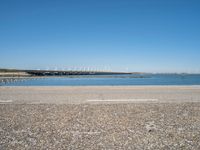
x,y
104,80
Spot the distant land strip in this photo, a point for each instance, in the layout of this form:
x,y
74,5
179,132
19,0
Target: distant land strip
x,y
18,72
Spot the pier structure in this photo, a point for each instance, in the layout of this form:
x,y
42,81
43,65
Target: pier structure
x,y
70,72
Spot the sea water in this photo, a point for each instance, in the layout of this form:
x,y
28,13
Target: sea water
x,y
108,80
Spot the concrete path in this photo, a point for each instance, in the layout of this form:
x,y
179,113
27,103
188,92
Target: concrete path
x,y
100,94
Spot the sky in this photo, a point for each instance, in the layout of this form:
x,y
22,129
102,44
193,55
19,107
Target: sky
x,y
121,35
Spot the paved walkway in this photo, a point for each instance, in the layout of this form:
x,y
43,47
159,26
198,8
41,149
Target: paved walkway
x,y
101,94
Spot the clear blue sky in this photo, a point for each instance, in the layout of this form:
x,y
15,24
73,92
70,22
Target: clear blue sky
x,y
141,35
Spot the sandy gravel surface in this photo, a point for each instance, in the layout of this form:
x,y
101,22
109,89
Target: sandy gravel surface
x,y
100,118
100,126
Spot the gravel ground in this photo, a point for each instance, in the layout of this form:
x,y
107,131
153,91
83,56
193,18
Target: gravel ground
x,y
100,126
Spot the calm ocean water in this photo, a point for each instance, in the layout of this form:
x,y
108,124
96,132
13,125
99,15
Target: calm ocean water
x,y
142,79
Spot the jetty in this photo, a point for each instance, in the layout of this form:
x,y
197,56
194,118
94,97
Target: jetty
x,y
38,72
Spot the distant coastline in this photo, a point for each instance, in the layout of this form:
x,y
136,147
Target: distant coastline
x,y
35,73
47,73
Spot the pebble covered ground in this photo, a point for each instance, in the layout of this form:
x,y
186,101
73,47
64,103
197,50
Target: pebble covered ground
x,y
100,126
